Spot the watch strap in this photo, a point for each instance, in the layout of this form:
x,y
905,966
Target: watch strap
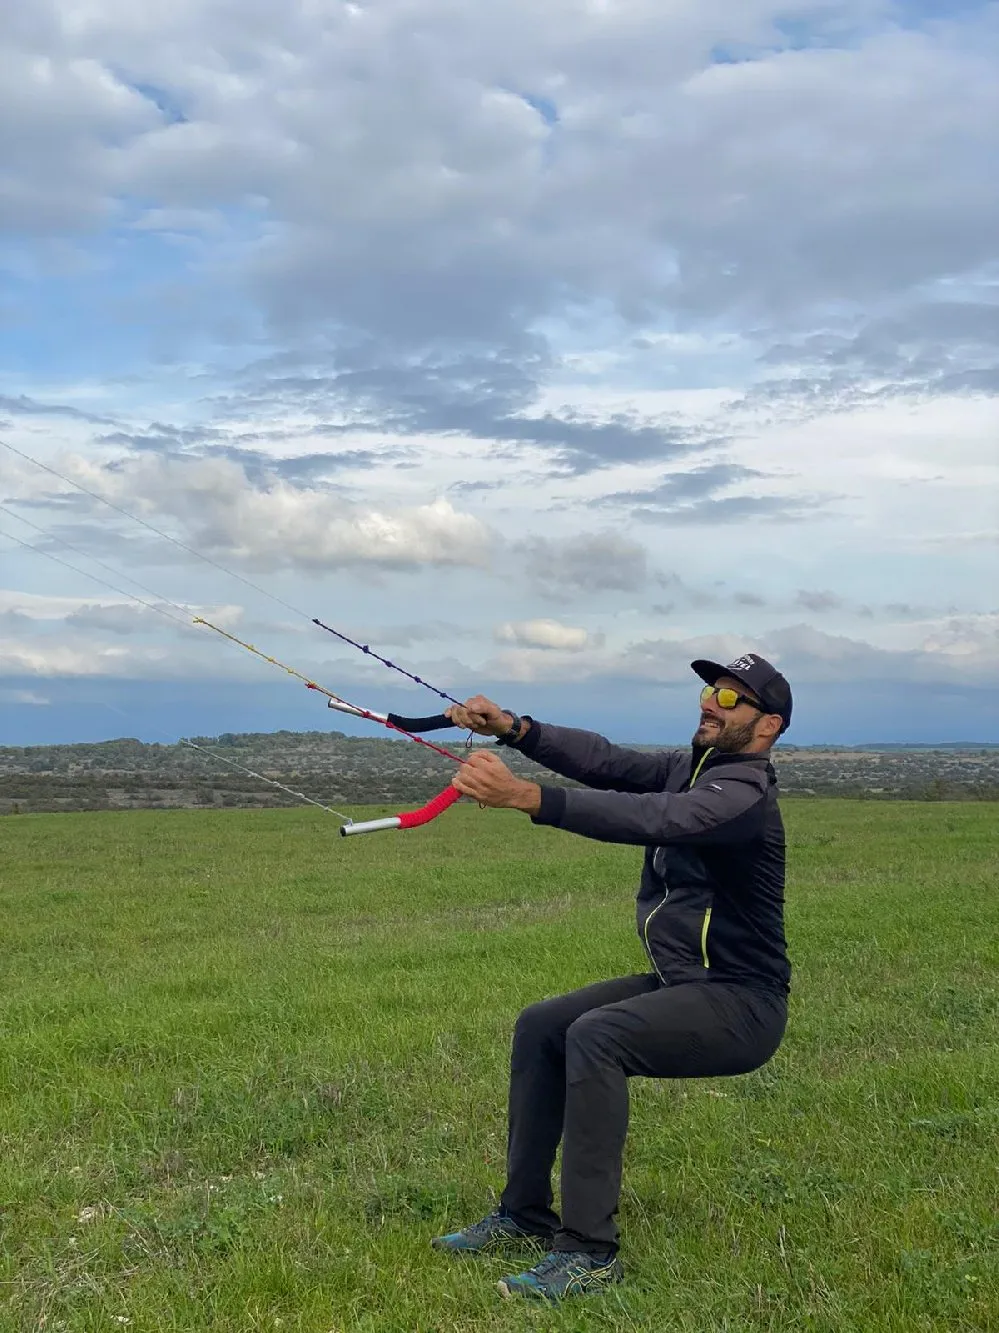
x,y
513,735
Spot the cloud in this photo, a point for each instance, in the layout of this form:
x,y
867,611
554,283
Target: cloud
x,y
29,697
744,189
469,487
485,395
964,658
405,636
931,347
729,509
21,611
13,621
543,634
957,652
691,497
285,526
585,563
512,181
675,488
42,657
963,655
126,618
980,537
817,601
23,406
967,636
259,464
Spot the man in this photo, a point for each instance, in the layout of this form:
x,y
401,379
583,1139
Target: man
x,y
711,917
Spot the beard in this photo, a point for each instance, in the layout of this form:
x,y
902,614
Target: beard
x,y
730,737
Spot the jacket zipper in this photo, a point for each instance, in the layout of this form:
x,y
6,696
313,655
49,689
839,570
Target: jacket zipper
x,y
659,904
704,936
645,934
697,771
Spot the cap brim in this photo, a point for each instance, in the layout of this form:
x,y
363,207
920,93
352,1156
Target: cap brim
x,y
708,671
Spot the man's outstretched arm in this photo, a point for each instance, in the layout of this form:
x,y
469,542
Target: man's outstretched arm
x,y
583,756
728,810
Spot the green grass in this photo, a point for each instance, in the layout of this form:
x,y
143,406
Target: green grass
x,y
248,1069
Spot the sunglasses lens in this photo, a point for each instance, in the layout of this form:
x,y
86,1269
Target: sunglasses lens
x,y
726,698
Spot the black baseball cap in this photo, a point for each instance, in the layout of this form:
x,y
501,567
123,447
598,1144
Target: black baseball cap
x,y
761,676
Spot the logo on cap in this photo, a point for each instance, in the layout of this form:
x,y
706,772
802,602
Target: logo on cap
x,y
743,664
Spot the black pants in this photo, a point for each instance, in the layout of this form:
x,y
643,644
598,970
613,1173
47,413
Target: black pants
x,y
571,1061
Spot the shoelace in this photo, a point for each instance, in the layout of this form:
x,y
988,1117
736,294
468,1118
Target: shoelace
x,y
551,1263
485,1226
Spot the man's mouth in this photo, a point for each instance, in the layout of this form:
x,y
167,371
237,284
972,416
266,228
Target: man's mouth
x,y
710,722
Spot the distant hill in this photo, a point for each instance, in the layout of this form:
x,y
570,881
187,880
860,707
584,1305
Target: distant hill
x,y
341,770
877,746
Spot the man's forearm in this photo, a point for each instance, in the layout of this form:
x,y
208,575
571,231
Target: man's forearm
x,y
589,758
529,799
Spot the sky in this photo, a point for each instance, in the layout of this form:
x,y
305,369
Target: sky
x,y
544,348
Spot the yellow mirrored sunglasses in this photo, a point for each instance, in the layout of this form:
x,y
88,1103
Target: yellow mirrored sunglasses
x,y
729,698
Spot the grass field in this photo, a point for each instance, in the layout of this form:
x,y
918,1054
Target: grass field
x,y
250,1068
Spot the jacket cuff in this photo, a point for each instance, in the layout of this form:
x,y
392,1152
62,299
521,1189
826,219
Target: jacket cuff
x,y
528,743
552,806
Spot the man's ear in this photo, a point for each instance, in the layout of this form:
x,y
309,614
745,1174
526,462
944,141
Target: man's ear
x,y
769,727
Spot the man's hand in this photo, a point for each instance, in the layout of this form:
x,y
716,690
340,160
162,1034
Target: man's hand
x,y
487,780
480,715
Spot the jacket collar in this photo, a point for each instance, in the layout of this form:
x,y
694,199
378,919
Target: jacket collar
x,y
697,753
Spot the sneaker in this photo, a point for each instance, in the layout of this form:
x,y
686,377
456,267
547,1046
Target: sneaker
x,y
563,1273
495,1230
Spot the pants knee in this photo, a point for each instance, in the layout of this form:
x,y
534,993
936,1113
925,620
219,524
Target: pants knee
x,y
592,1035
535,1026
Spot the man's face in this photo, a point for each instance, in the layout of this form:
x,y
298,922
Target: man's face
x,y
732,730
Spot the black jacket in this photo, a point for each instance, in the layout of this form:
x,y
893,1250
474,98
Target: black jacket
x,y
711,900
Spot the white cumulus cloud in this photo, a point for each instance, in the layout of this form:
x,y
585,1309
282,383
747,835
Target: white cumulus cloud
x,y
282,525
542,634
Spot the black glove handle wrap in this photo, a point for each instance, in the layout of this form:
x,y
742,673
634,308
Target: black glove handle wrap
x,y
416,724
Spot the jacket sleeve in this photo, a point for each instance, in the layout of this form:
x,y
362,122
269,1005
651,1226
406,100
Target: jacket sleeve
x,y
594,761
724,810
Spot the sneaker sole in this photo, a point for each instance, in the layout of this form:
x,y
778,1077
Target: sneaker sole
x,y
513,1244
507,1292
526,1293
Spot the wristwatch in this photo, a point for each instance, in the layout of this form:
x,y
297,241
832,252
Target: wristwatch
x,y
511,737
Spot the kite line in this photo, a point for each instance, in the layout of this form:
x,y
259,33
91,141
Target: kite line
x,y
440,721
406,726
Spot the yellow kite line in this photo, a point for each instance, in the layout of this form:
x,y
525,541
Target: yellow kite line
x,y
344,706
313,685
